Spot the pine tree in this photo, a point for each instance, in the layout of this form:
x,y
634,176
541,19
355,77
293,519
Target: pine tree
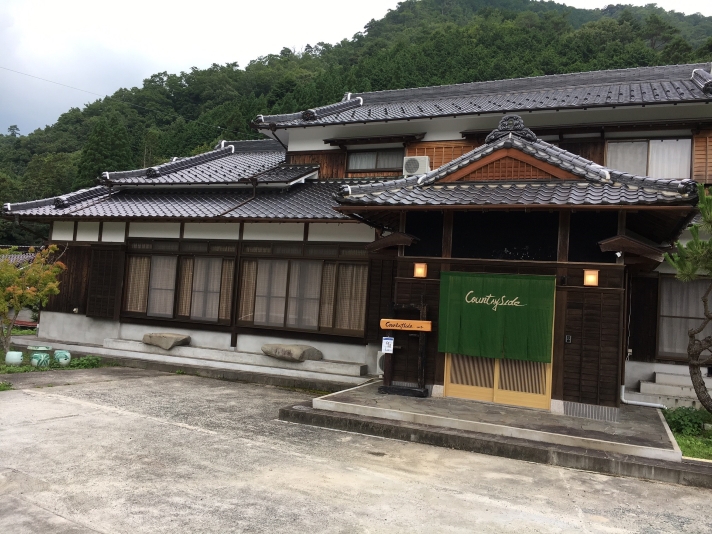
x,y
106,149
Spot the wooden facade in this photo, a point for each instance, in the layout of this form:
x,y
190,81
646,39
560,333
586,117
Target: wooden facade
x,y
588,369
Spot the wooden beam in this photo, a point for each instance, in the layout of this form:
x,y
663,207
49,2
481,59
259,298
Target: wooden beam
x,y
562,253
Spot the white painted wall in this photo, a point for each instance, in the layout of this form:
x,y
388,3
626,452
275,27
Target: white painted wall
x,y
211,231
341,232
145,229
273,231
449,128
63,231
113,232
88,231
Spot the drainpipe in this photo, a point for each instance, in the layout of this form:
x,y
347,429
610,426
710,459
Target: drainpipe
x,y
640,403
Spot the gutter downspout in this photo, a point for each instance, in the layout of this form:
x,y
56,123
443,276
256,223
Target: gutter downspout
x,y
254,194
640,403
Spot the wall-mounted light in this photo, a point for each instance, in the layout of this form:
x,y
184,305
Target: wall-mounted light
x,y
590,277
420,270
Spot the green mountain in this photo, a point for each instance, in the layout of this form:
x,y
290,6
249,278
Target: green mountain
x,y
421,42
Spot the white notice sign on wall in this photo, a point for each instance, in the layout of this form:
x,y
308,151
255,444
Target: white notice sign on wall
x,y
387,347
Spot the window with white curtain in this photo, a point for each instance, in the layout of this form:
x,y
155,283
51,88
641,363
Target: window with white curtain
x,y
680,310
304,293
184,287
657,158
207,275
324,296
271,292
161,288
377,159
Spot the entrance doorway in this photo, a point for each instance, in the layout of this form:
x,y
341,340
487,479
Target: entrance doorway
x,y
515,382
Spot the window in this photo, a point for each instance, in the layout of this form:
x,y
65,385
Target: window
x,y
304,294
680,309
657,158
376,160
165,285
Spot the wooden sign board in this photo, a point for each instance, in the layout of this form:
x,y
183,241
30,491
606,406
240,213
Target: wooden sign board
x,y
404,324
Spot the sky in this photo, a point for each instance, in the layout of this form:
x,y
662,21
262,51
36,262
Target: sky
x,y
102,46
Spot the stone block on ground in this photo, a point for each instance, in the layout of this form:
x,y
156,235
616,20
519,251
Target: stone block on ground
x,y
166,340
292,353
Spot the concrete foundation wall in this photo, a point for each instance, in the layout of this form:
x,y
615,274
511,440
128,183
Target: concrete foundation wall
x,y
637,371
73,328
76,328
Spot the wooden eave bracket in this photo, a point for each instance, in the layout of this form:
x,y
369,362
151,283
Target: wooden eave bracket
x,y
622,243
392,240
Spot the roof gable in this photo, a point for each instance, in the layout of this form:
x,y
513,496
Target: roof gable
x,y
508,164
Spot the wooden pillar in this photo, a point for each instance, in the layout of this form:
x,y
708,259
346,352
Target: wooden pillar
x,y
560,303
564,230
621,231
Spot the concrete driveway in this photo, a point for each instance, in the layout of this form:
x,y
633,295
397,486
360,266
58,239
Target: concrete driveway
x,y
126,450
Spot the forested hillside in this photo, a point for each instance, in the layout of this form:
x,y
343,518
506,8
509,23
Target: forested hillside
x,y
422,42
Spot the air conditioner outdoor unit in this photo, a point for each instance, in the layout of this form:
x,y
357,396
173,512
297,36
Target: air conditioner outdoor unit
x,y
380,362
416,165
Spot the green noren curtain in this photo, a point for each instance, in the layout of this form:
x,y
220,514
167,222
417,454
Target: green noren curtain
x,y
497,315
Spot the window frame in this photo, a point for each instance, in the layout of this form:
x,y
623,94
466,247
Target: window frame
x,y
146,247
376,168
341,253
648,140
341,257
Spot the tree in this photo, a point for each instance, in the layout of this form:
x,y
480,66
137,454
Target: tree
x,y
694,259
13,130
106,149
27,284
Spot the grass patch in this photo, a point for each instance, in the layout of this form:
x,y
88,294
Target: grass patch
x,y
23,331
688,427
5,386
82,362
308,391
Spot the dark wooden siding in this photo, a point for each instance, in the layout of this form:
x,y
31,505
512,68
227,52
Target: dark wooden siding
x,y
592,359
332,163
585,370
105,282
592,150
73,282
643,318
381,282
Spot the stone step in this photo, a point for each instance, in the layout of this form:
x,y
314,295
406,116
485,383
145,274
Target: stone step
x,y
651,388
247,358
670,379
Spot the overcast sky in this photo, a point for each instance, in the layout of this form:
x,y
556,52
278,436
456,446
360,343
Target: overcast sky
x,y
102,46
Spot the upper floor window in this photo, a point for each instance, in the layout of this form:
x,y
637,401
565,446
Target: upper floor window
x,y
382,160
657,158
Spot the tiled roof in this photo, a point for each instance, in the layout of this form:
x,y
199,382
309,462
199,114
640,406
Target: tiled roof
x,y
18,258
310,200
598,184
643,85
221,166
560,192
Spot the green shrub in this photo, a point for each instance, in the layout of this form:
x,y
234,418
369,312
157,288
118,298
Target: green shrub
x,y
4,386
86,362
687,421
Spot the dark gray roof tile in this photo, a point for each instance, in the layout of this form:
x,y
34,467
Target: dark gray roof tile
x,y
641,85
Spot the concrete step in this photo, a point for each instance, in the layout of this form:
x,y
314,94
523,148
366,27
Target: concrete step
x,y
665,400
247,358
652,388
670,379
194,361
